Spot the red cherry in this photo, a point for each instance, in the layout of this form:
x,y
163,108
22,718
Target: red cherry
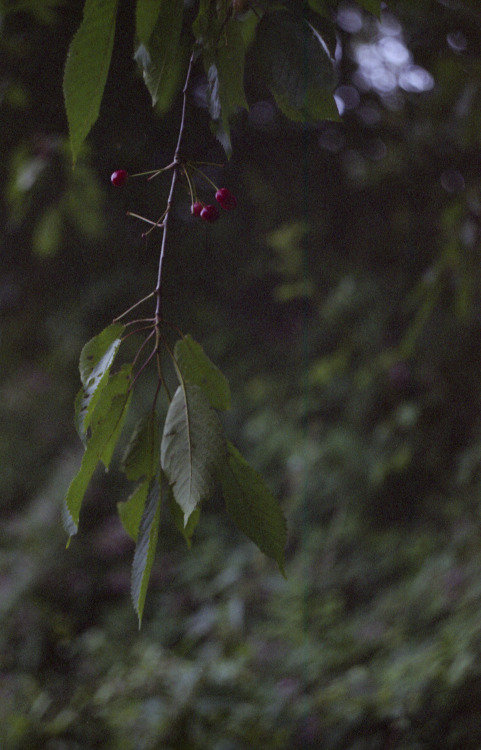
x,y
196,208
119,177
226,199
209,213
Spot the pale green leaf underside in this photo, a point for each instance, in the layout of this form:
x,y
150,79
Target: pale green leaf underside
x,y
96,360
87,67
192,447
146,546
197,368
106,426
252,506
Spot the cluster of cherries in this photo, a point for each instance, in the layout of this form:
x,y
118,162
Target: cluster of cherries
x,y
207,212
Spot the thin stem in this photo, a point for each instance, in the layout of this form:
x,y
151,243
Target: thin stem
x,y
141,320
139,351
148,221
175,328
203,175
144,299
138,330
175,363
156,395
175,174
153,172
161,376
193,195
205,163
140,371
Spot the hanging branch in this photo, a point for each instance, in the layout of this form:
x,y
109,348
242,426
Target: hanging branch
x,y
175,173
183,462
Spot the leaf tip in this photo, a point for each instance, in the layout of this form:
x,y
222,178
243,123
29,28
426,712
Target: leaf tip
x,y
68,523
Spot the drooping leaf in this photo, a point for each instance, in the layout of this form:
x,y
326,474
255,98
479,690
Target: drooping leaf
x,y
208,24
325,29
106,426
197,368
163,57
224,66
192,447
141,457
146,546
222,135
146,15
131,510
178,518
96,360
295,63
252,506
87,67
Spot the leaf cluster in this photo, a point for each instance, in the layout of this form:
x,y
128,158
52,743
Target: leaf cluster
x,y
291,52
179,465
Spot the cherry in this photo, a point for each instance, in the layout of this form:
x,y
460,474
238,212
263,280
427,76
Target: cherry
x,y
196,208
226,199
209,213
119,177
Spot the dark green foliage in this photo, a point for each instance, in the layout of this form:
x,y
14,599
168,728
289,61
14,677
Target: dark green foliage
x,y
146,545
183,463
87,68
160,54
196,368
296,66
252,507
288,48
341,299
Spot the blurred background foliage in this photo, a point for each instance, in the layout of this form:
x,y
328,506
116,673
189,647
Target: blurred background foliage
x,y
342,301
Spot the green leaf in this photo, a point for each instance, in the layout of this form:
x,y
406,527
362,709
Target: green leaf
x,y
224,67
372,6
141,457
252,506
162,58
192,447
47,234
321,7
145,549
207,26
106,426
294,61
87,67
178,518
197,368
131,510
146,15
96,360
